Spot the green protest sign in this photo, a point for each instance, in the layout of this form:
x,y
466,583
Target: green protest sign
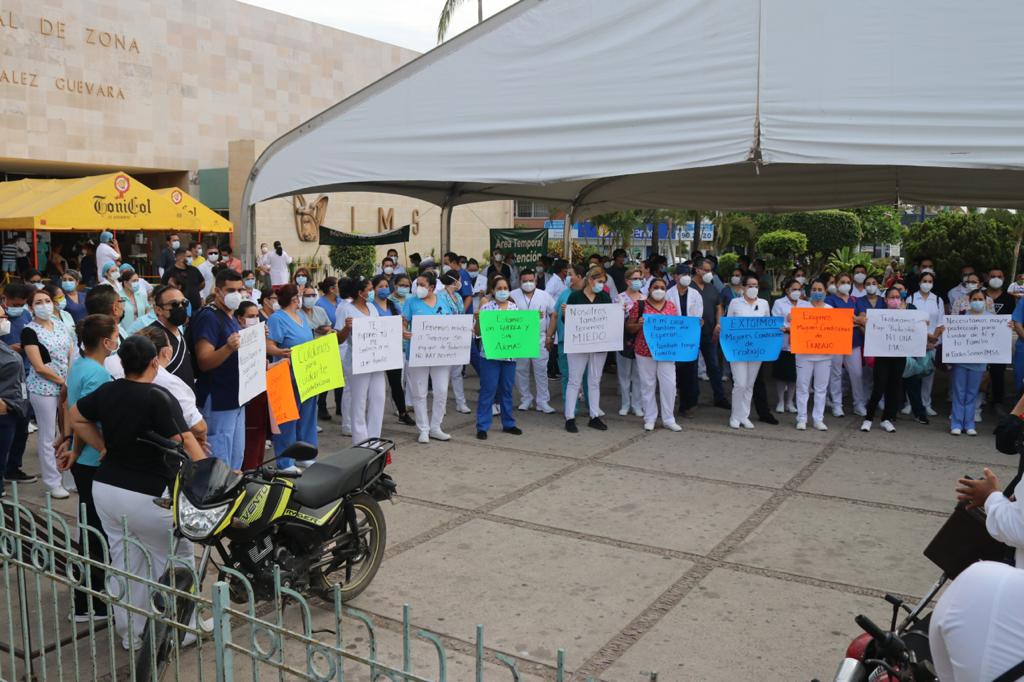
x,y
527,245
510,334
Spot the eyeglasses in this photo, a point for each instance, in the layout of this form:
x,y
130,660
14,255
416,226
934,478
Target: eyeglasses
x,y
174,304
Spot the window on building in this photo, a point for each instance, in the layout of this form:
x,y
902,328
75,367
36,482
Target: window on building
x,y
531,209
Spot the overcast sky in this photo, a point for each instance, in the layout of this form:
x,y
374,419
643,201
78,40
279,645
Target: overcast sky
x,y
409,23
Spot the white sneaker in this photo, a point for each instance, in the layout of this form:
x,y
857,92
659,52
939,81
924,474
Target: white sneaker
x,y
860,412
649,426
438,434
346,432
638,412
524,406
423,437
59,493
293,470
462,408
495,410
955,432
906,409
791,408
780,408
865,425
977,415
746,423
801,426
32,428
930,412
972,432
545,408
820,426
624,411
703,377
320,429
838,413
305,463
887,426
734,423
672,426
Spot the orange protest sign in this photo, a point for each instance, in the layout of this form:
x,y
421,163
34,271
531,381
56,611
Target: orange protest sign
x,y
821,331
280,394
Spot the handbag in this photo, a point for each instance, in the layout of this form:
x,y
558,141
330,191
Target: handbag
x,y
922,366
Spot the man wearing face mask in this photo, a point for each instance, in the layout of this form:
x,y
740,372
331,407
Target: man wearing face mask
x,y
15,299
498,266
962,290
860,275
171,310
206,270
167,255
529,297
214,332
188,276
703,286
689,303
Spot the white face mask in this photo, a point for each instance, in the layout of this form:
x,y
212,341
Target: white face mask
x,y
926,287
308,301
794,295
844,289
970,286
389,270
684,280
528,287
658,294
859,277
498,258
801,279
831,288
213,257
422,292
871,289
43,310
735,281
175,245
707,277
264,249
996,283
5,327
751,292
252,321
233,300
275,306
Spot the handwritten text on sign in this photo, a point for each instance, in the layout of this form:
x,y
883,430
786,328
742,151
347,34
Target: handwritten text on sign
x,y
896,333
252,362
672,338
439,340
376,344
821,331
977,338
317,366
593,328
752,339
510,334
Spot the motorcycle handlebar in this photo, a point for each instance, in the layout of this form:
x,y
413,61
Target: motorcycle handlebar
x,y
889,643
868,626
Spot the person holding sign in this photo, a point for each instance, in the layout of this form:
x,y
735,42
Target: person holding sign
x,y
744,374
967,378
386,308
367,389
852,363
653,374
593,293
813,369
257,416
529,297
459,295
888,378
575,280
496,376
427,302
927,300
288,327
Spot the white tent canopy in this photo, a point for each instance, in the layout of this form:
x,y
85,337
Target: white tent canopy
x,y
769,105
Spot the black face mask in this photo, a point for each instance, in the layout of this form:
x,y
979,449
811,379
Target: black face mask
x,y
178,316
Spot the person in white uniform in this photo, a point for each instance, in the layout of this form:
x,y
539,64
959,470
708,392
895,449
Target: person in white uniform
x,y
277,262
658,378
368,390
529,297
107,251
813,370
927,300
745,373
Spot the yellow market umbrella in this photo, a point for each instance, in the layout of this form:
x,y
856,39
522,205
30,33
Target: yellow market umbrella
x,y
208,220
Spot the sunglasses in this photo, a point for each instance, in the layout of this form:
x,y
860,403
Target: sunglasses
x,y
175,304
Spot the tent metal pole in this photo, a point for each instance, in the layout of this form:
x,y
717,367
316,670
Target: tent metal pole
x,y
570,217
35,246
446,228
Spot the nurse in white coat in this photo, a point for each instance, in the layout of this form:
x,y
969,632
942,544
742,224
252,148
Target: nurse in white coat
x,y
745,373
529,297
813,371
367,390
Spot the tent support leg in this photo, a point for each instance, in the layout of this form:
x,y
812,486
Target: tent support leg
x,y
446,229
35,246
570,218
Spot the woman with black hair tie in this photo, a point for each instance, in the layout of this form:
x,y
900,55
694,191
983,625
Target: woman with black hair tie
x,y
131,473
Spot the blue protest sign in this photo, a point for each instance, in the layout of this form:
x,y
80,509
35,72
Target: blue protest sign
x,y
752,339
672,338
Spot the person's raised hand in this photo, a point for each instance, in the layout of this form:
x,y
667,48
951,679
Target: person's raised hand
x,y
975,491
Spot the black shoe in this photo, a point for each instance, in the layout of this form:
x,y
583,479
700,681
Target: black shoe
x,y
724,404
481,435
768,419
686,414
20,476
323,415
596,423
404,418
921,419
514,430
570,426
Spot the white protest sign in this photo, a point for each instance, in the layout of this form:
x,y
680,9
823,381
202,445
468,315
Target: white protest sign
x,y
252,362
440,340
977,339
593,328
896,333
376,344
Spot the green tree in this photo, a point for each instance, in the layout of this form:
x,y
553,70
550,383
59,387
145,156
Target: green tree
x,y
448,11
826,231
1015,221
620,225
735,229
954,239
844,260
879,224
354,261
726,264
780,249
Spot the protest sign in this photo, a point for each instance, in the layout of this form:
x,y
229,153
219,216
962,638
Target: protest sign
x,y
317,366
440,340
821,331
527,245
510,334
896,333
752,339
672,338
376,344
593,328
280,395
977,338
252,362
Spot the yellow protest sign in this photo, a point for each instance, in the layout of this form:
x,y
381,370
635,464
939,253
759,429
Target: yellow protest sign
x,y
317,366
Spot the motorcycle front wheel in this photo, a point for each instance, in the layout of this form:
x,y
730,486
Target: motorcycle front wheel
x,y
362,567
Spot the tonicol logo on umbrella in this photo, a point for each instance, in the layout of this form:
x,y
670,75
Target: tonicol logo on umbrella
x,y
122,183
176,197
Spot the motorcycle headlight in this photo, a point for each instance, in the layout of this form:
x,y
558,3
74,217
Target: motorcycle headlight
x,y
196,523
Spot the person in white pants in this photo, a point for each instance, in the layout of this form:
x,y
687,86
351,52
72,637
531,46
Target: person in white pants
x,y
529,297
812,370
593,292
428,302
368,390
47,345
852,363
744,374
626,368
657,379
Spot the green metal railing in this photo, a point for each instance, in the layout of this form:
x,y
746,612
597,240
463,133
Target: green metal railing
x,y
44,560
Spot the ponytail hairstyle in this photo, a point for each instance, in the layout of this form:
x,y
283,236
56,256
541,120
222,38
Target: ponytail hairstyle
x,y
92,329
136,353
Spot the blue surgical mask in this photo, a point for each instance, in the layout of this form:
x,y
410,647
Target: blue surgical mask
x,y
977,306
62,303
817,296
597,287
385,292
249,283
301,280
15,311
134,286
636,284
68,286
568,280
903,295
502,295
371,296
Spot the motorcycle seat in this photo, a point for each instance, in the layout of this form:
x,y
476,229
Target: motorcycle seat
x,y
322,484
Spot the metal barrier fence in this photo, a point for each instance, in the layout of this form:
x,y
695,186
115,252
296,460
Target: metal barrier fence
x,y
47,563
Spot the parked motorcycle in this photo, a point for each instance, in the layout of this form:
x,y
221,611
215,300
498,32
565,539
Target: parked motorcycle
x,y
319,528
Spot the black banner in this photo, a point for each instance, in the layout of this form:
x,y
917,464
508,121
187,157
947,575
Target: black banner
x,y
329,237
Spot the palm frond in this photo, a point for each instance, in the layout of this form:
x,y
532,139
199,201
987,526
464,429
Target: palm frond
x,y
445,20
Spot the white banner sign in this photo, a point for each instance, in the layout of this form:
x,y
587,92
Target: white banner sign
x,y
977,338
593,328
252,362
376,344
896,333
440,340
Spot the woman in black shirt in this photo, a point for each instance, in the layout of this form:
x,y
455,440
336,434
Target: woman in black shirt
x,y
131,473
